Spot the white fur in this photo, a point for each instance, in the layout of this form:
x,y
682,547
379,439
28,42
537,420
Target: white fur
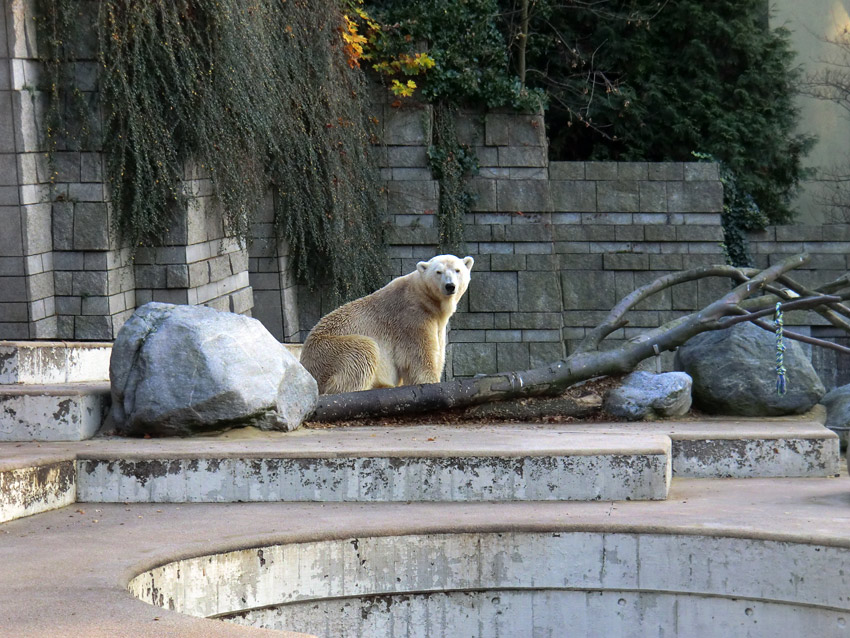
x,y
396,335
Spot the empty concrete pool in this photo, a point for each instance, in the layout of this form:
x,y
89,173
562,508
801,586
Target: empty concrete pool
x,y
517,584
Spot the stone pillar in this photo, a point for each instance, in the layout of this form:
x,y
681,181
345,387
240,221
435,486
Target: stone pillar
x,y
63,272
198,263
275,292
26,259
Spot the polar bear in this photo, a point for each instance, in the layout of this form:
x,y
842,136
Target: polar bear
x,y
395,336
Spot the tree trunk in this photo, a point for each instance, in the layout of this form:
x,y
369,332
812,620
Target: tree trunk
x,y
523,41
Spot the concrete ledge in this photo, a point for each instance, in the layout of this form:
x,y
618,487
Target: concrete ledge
x,y
57,412
46,362
379,465
25,489
718,448
784,457
49,362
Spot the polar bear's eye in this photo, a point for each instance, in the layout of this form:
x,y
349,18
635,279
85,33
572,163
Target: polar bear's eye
x,y
457,270
439,272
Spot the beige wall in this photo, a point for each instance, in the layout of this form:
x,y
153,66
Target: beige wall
x,y
811,22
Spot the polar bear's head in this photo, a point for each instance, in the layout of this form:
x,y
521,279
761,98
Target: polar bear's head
x,y
447,274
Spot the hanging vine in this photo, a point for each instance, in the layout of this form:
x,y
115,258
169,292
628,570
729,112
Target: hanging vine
x,y
63,39
451,163
741,215
254,94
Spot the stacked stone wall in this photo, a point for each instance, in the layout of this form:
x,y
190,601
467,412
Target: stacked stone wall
x,y
275,291
27,308
92,272
63,272
556,244
199,262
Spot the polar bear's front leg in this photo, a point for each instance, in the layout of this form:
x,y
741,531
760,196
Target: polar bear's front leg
x,y
426,372
425,363
442,332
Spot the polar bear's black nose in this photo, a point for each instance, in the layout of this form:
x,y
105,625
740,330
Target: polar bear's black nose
x,y
450,288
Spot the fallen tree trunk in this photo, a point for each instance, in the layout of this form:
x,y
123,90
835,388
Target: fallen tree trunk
x,y
740,304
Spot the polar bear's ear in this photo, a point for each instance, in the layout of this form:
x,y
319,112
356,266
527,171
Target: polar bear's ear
x,y
422,266
468,261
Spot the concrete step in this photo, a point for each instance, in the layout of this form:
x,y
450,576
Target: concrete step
x,y
587,461
788,447
371,464
35,483
52,412
46,362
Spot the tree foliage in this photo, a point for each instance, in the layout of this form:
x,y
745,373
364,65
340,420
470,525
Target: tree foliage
x,y
665,80
628,80
467,45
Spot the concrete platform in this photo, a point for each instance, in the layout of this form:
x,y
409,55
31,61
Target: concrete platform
x,y
52,412
744,448
48,362
35,483
440,463
65,573
371,464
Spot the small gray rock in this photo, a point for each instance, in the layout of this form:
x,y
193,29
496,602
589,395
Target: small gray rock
x,y
734,373
180,370
645,396
837,404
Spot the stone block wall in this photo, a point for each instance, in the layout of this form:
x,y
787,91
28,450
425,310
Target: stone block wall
x,y
63,273
199,262
555,244
549,270
275,292
56,254
93,272
26,260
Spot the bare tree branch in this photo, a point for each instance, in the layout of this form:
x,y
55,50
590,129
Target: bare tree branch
x,y
831,313
808,303
615,319
796,336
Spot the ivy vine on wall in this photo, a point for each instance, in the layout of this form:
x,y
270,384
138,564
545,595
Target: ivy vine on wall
x,y
451,163
466,65
254,94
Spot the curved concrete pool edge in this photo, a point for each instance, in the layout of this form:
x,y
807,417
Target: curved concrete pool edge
x,y
505,583
66,572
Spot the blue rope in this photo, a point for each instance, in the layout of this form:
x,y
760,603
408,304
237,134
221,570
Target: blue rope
x,y
778,322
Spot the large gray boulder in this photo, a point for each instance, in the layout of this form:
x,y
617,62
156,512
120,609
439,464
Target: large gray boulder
x,y
734,373
837,404
180,370
645,396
